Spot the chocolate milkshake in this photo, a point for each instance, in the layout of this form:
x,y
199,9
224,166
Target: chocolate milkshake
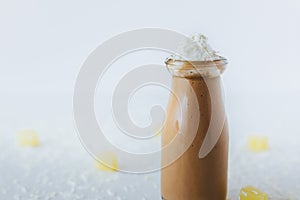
x,y
201,172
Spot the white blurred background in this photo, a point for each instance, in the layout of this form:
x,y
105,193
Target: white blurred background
x,y
44,43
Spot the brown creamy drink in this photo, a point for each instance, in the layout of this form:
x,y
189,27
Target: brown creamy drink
x,y
191,177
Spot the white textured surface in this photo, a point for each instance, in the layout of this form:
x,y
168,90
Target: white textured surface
x,y
61,169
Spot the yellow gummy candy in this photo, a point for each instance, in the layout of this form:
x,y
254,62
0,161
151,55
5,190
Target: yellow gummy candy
x,y
108,162
158,130
258,143
158,133
251,193
28,138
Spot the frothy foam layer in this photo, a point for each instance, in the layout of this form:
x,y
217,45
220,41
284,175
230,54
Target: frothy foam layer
x,y
195,48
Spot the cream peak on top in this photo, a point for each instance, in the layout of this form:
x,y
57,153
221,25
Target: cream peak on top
x,y
195,48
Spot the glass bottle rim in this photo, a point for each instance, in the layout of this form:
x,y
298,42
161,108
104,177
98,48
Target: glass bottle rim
x,y
193,69
202,63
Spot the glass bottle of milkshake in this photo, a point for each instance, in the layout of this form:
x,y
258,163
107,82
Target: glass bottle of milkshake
x,y
196,122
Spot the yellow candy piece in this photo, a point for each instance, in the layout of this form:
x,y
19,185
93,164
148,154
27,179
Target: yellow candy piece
x,y
252,193
258,143
28,138
109,162
158,132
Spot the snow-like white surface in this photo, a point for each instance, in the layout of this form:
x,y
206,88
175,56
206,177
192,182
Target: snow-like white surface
x,y
61,168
